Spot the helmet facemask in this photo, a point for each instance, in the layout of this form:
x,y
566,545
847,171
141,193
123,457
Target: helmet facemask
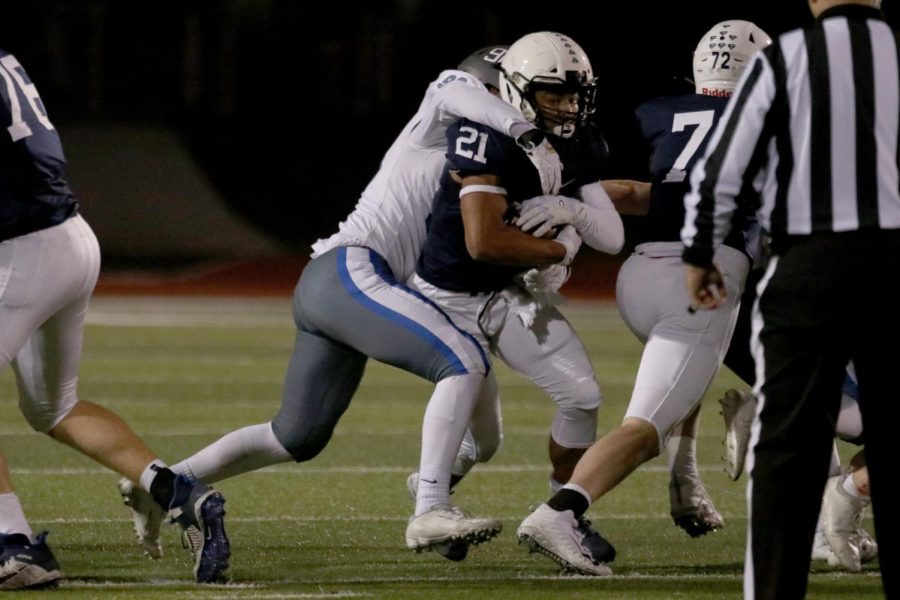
x,y
552,62
554,114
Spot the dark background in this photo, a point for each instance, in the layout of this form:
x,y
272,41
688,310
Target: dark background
x,y
289,113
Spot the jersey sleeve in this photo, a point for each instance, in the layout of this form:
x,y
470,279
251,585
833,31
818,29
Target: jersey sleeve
x,y
474,149
462,96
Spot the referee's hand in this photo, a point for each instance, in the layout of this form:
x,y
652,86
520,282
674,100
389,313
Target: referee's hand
x,y
705,287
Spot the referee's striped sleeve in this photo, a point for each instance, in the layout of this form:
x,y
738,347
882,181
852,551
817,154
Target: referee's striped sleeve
x,y
720,175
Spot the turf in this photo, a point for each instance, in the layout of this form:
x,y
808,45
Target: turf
x,y
185,371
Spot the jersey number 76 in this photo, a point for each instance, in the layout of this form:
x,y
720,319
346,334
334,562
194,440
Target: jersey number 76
x,y
11,72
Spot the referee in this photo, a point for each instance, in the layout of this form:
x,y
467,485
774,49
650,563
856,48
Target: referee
x,y
813,126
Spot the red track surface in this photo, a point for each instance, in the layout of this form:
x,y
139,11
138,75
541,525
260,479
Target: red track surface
x,y
593,276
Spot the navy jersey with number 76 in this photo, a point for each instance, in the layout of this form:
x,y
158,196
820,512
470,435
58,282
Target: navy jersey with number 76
x,y
34,193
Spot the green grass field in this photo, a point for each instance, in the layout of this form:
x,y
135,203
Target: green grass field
x,y
184,371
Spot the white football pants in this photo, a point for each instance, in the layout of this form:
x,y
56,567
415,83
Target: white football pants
x,y
683,350
549,353
46,281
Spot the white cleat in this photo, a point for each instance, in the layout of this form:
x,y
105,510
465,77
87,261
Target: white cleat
x,y
738,410
456,550
146,514
821,550
843,515
448,524
868,547
555,535
691,507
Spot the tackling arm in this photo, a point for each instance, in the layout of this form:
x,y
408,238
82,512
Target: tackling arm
x,y
630,197
595,218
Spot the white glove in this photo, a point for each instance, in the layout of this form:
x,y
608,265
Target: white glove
x,y
545,280
544,158
547,212
570,239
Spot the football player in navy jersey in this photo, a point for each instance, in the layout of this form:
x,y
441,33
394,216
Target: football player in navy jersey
x,y
476,250
351,305
683,350
49,263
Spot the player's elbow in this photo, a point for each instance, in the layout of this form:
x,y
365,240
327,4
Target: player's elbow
x,y
482,250
616,241
610,239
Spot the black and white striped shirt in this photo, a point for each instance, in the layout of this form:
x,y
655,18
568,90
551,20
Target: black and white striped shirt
x,y
813,126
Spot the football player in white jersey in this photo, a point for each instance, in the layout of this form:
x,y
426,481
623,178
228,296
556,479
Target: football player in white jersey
x,y
351,304
49,263
683,350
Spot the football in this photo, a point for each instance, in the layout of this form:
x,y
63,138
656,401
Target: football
x,y
513,214
549,235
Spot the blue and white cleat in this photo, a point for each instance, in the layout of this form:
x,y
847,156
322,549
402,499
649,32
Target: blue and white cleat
x,y
27,565
202,507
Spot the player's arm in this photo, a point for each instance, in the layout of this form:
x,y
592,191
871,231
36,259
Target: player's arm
x,y
594,217
461,98
630,197
489,238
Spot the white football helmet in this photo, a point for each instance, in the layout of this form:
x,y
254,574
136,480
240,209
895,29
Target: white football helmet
x,y
547,60
722,55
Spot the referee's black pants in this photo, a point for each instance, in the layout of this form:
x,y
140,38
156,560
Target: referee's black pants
x,y
825,299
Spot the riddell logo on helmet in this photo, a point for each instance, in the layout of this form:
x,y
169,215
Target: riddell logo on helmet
x,y
715,92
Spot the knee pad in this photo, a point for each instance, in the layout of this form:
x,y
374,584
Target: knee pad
x,y
43,416
574,427
303,443
575,422
849,425
472,451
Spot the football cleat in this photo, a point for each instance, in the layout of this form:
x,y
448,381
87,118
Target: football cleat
x,y
868,547
738,410
448,524
843,515
197,505
597,546
555,534
192,540
27,565
691,507
455,550
821,550
146,515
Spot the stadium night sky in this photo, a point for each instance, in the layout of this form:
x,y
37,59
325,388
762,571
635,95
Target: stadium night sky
x,y
286,110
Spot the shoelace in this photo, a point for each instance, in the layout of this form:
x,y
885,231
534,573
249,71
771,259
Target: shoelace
x,y
191,539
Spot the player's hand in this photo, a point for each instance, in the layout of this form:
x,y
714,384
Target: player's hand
x,y
571,241
544,158
543,213
546,279
705,287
